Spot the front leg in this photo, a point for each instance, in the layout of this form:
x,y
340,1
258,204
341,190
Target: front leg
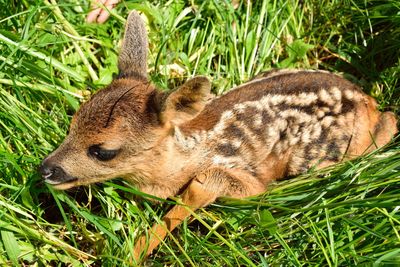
x,y
202,191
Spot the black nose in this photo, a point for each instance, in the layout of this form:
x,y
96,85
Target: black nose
x,y
49,171
53,174
45,170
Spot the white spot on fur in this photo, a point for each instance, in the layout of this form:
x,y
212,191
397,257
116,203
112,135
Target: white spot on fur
x,y
294,129
221,125
256,104
316,131
236,143
320,113
342,120
299,117
240,108
326,97
293,140
327,121
281,124
257,120
349,94
337,108
227,115
305,137
303,99
336,94
277,99
220,160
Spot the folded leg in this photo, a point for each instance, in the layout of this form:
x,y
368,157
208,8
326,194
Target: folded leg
x,y
202,191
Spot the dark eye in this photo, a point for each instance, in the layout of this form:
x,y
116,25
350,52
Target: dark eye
x,y
102,154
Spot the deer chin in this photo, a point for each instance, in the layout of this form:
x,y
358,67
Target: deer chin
x,y
76,182
65,186
62,185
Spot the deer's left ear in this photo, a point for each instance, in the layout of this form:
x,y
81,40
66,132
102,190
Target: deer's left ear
x,y
132,60
186,102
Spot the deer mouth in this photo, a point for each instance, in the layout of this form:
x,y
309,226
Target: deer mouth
x,y
58,182
62,184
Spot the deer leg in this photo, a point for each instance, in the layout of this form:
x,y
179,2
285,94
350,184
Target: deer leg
x,y
202,191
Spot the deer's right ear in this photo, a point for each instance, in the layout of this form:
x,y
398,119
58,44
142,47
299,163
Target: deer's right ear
x,y
186,102
132,60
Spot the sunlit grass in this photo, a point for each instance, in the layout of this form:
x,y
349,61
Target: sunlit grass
x,y
50,61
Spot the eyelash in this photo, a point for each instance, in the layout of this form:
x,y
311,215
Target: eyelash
x,y
102,154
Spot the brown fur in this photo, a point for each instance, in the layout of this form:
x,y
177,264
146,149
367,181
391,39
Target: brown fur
x,y
280,123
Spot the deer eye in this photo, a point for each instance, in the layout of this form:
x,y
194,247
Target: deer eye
x,y
102,154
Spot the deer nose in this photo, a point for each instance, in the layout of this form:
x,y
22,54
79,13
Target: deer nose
x,y
46,171
52,173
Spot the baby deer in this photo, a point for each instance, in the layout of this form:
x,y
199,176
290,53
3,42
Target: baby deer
x,y
279,124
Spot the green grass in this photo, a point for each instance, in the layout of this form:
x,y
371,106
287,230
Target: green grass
x,y
50,61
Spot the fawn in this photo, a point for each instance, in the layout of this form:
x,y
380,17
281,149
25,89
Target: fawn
x,y
281,123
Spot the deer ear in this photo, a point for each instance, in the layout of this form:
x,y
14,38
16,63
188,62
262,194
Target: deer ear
x,y
186,102
132,61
